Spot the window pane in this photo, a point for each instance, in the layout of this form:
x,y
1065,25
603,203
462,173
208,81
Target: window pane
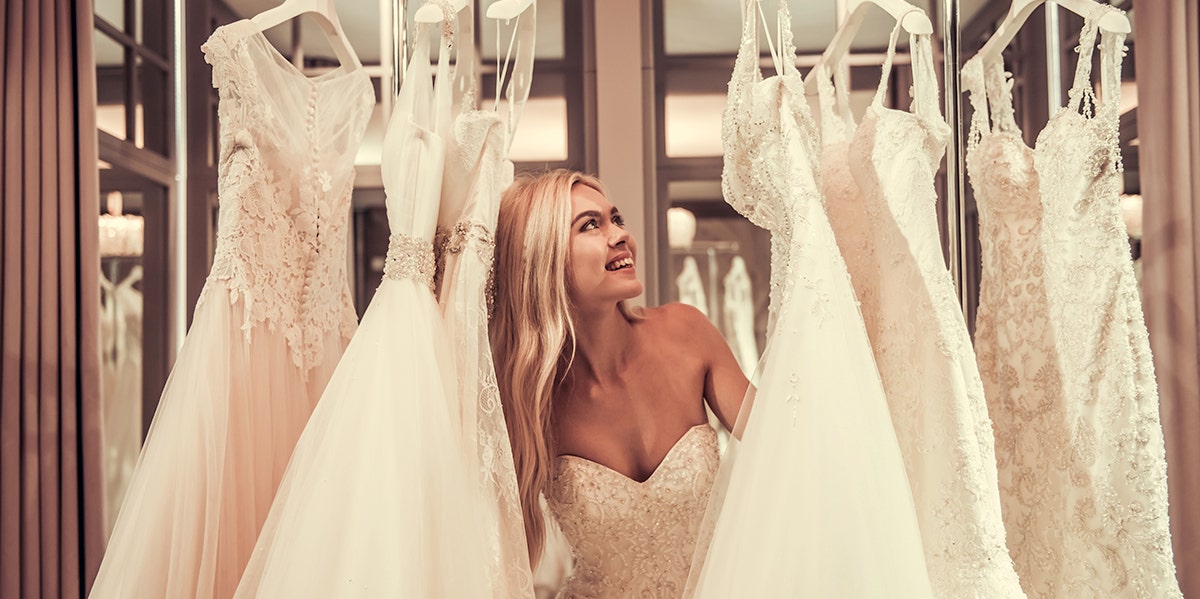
x,y
112,11
542,133
693,124
111,78
153,108
550,32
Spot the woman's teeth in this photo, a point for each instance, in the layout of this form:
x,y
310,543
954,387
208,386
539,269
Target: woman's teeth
x,y
619,264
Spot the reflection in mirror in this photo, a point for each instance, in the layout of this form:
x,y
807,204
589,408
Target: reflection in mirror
x,y
720,263
122,237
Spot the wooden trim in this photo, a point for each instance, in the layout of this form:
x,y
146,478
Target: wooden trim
x,y
132,44
146,163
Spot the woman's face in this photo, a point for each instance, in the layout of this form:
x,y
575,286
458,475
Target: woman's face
x,y
602,265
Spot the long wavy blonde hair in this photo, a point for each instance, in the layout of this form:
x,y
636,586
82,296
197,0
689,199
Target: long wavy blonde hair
x,y
532,330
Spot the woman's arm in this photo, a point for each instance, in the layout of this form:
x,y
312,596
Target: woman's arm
x,y
724,384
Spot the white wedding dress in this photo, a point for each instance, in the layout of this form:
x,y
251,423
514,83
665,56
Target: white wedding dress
x,y
880,196
269,327
378,500
814,500
121,387
1062,344
476,174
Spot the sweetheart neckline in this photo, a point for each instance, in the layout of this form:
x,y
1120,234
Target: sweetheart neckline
x,y
657,469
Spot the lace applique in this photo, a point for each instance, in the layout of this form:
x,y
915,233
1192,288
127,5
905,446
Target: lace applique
x,y
881,199
634,539
409,257
1063,348
284,192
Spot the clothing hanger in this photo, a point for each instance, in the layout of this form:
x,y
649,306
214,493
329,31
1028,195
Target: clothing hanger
x,y
508,9
435,11
326,18
912,19
432,13
515,87
1112,22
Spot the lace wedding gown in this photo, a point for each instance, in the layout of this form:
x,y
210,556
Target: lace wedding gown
x,y
269,327
377,500
1062,345
633,538
814,500
476,173
883,214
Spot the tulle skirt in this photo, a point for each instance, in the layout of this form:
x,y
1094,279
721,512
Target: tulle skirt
x,y
813,501
225,427
377,500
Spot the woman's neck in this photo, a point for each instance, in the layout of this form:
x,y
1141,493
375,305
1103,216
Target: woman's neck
x,y
603,339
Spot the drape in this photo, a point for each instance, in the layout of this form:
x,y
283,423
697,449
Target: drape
x,y
50,486
1167,42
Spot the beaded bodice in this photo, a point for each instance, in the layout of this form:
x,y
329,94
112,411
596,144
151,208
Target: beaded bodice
x,y
630,538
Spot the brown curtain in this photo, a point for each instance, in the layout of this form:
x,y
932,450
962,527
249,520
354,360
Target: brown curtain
x,y
1168,76
50,525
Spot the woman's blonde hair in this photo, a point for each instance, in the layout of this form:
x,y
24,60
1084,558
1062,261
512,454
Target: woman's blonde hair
x,y
532,331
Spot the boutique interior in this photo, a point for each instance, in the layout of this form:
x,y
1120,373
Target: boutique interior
x,y
630,90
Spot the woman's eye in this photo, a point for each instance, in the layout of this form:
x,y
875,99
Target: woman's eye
x,y
589,225
619,221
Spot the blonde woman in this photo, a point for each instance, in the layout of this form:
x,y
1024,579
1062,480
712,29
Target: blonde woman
x,y
605,404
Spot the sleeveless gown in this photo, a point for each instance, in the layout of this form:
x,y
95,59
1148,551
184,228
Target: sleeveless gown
x,y
1062,343
475,175
273,319
378,500
883,214
814,500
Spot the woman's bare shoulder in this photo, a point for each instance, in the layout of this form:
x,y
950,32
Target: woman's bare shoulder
x,y
680,321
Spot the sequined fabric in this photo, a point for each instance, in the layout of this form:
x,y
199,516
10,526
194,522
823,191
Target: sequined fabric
x,y
409,257
629,538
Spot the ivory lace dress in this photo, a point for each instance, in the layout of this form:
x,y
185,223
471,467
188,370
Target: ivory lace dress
x,y
269,327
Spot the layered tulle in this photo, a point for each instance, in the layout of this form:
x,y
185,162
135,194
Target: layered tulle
x,y
228,419
813,501
376,501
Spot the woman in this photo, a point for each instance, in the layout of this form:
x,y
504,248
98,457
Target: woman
x,y
604,403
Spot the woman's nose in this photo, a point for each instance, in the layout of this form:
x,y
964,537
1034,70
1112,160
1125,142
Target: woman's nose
x,y
618,237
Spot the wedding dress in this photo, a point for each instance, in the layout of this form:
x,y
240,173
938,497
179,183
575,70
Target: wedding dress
x,y
475,175
737,315
1062,344
269,327
814,500
691,286
883,214
121,384
633,538
378,500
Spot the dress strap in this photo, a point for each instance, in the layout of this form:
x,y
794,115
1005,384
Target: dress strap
x,y
514,83
1081,97
886,71
925,84
974,82
787,47
443,97
745,66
